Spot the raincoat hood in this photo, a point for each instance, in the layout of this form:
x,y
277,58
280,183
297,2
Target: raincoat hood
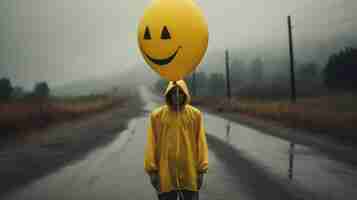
x,y
182,85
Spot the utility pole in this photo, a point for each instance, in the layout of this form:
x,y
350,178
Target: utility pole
x,y
293,95
228,75
292,62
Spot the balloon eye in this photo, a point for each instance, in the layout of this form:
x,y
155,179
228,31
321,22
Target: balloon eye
x,y
147,35
165,35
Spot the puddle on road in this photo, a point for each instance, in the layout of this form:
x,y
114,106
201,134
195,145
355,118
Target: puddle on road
x,y
315,171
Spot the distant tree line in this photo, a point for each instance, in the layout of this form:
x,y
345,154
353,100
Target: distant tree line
x,y
340,73
341,70
9,92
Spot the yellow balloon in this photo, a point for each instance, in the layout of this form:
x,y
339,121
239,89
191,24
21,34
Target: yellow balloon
x,y
173,37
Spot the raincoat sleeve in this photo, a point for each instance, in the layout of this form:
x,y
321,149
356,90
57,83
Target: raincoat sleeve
x,y
150,161
202,147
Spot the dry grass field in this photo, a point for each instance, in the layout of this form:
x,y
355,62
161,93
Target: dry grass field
x,y
331,115
30,113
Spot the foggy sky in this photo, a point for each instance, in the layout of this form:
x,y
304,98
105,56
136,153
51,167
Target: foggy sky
x,y
64,40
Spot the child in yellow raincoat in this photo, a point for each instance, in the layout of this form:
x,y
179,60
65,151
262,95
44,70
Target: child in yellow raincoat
x,y
176,152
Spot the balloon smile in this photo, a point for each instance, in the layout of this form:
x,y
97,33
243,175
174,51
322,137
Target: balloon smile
x,y
163,61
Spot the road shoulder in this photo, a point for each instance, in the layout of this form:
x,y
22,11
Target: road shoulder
x,y
61,145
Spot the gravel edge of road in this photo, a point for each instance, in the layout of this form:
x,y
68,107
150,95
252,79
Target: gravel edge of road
x,y
22,164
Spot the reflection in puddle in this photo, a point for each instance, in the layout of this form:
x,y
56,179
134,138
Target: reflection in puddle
x,y
291,160
291,152
228,129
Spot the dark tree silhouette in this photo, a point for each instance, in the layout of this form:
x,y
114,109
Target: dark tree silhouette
x,y
341,70
41,90
257,70
238,72
18,92
308,71
217,84
5,89
201,79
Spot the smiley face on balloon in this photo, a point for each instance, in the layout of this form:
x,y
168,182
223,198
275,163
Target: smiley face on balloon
x,y
173,37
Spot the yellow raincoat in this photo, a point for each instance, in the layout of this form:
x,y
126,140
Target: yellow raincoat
x,y
176,145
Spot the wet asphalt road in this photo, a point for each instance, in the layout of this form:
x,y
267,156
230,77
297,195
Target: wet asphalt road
x,y
243,164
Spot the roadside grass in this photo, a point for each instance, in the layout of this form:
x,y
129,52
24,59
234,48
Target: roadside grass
x,y
334,116
33,113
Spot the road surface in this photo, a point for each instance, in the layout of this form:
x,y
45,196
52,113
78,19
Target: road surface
x,y
243,164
